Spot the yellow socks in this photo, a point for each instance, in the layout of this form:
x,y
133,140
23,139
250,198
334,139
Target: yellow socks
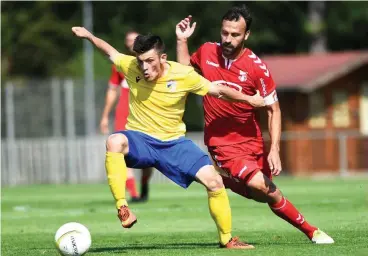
x,y
219,205
116,175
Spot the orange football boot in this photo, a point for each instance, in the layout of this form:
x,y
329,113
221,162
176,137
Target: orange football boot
x,y
126,217
234,243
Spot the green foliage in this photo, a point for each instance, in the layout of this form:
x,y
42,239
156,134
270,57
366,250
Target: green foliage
x,y
347,24
37,41
36,37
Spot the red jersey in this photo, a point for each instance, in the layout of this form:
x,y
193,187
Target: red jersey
x,y
230,123
122,109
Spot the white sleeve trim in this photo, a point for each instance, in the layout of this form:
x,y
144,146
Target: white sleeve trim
x,y
271,98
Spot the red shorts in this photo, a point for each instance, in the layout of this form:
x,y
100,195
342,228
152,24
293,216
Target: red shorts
x,y
240,162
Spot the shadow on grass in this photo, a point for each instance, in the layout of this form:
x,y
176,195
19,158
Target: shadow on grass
x,y
179,246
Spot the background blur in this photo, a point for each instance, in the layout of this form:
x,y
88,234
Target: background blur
x,y
53,85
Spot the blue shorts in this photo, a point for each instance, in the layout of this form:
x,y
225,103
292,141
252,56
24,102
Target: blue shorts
x,y
179,160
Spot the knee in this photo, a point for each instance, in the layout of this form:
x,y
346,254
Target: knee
x,y
263,189
215,183
259,186
117,143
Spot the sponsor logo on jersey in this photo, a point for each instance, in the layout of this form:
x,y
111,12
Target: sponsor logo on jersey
x,y
171,85
264,91
212,64
243,76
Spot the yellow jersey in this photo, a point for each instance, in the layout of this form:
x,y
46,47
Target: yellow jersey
x,y
156,108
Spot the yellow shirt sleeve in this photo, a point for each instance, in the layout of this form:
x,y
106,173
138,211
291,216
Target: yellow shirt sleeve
x,y
122,62
197,84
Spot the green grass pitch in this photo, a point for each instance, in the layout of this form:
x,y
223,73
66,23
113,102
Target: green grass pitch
x,y
177,222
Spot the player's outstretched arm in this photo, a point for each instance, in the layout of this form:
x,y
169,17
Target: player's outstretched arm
x,y
183,31
103,46
226,93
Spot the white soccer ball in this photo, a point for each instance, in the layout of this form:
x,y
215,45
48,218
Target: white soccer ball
x,y
73,239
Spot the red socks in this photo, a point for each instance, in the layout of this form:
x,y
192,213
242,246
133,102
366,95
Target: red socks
x,y
130,185
286,210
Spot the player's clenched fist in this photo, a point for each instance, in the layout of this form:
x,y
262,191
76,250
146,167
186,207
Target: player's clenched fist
x,y
257,100
81,32
184,29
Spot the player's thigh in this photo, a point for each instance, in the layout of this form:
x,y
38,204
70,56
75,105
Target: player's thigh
x,y
140,154
238,172
236,185
180,160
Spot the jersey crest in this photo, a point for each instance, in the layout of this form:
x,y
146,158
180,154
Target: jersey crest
x,y
243,76
171,85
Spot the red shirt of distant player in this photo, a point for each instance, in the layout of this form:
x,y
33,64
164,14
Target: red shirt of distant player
x,y
232,132
122,109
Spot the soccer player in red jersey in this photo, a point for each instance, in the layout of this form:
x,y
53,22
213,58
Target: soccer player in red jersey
x,y
118,87
232,132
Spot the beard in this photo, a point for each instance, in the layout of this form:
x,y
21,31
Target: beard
x,y
229,50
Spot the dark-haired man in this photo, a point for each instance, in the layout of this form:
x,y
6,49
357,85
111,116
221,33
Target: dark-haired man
x,y
232,132
155,135
118,88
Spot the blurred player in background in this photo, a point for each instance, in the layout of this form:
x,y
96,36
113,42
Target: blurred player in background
x,y
155,135
118,87
232,132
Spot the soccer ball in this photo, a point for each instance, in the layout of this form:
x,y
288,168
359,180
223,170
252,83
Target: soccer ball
x,y
72,239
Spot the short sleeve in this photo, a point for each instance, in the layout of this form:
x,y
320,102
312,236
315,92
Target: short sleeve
x,y
265,83
115,78
197,84
195,59
122,62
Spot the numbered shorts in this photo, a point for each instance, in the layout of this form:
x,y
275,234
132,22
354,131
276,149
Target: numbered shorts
x,y
179,160
240,162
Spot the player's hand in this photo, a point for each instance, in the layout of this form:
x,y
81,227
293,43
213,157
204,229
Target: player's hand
x,y
274,162
257,100
104,125
81,32
184,29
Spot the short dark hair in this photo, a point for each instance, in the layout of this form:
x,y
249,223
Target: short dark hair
x,y
144,43
236,12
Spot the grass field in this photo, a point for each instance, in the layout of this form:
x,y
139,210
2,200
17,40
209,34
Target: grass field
x,y
177,222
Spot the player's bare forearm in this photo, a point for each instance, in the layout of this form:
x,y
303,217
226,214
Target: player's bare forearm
x,y
232,95
111,96
182,52
103,46
274,125
184,29
228,94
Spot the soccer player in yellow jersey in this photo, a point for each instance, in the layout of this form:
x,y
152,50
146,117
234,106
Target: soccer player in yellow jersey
x,y
155,135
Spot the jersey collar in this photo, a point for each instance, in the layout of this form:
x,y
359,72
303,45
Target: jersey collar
x,y
228,62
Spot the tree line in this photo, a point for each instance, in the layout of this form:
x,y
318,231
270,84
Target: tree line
x,y
37,41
